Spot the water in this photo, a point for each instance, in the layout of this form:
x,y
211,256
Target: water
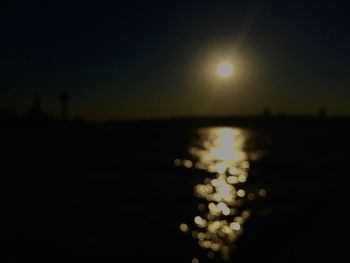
x,y
224,193
176,194
282,188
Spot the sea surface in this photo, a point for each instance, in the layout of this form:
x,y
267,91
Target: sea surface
x,y
151,193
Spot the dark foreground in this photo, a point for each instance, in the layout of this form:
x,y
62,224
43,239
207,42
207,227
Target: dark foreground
x,y
111,193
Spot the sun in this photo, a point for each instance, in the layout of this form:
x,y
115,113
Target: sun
x,y
224,69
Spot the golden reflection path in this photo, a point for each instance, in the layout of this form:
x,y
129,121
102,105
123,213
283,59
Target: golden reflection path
x,y
221,214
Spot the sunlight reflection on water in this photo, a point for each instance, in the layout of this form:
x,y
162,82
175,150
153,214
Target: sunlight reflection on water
x,y
222,214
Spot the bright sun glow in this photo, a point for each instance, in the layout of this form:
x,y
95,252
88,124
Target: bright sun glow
x,y
224,69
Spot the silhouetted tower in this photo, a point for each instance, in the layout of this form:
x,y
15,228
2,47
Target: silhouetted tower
x,y
267,112
64,97
322,113
37,106
36,113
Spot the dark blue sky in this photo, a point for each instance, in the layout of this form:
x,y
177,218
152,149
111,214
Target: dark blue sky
x,y
137,59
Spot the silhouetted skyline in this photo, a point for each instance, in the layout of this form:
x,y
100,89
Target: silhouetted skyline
x,y
145,59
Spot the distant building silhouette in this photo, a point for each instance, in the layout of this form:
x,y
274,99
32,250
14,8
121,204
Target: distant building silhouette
x,y
36,113
64,97
8,116
322,113
267,112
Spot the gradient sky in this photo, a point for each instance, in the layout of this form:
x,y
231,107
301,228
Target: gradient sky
x,y
146,59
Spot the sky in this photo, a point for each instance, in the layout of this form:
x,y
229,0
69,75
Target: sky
x,y
157,59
